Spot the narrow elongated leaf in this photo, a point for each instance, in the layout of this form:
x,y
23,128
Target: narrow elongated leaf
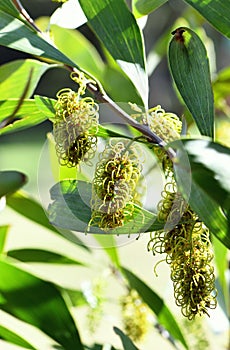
x,y
39,303
156,304
45,105
202,171
16,35
41,256
32,210
117,29
81,51
144,7
190,70
11,181
215,11
3,235
8,7
126,341
14,77
71,210
12,337
27,116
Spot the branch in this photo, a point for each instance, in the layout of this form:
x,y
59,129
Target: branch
x,y
101,96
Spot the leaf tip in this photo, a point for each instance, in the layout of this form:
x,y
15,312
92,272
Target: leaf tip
x,y
178,34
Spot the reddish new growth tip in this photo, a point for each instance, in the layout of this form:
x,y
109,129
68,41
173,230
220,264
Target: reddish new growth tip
x,y
178,35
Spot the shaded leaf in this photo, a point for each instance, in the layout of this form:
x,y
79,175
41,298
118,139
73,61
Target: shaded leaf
x,y
14,338
126,341
17,35
190,70
117,29
144,7
203,175
3,235
14,77
39,303
215,11
41,256
32,210
71,210
11,181
8,7
156,304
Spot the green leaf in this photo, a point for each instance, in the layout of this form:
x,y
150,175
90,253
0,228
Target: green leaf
x,y
190,70
203,175
14,77
11,181
117,29
8,7
75,46
221,262
41,256
144,7
156,304
45,105
39,303
221,84
126,341
12,337
32,210
215,11
27,115
17,35
3,235
71,210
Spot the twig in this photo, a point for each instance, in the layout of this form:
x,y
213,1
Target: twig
x,y
101,96
25,14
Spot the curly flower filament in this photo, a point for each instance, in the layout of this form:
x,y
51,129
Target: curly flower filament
x,y
188,252
116,177
75,127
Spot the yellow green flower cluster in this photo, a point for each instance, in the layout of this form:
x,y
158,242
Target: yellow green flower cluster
x,y
115,180
134,316
75,127
188,252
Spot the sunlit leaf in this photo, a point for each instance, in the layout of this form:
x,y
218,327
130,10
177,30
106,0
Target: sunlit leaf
x,y
215,11
190,70
16,35
14,338
116,27
11,181
45,105
39,303
71,210
126,341
14,77
63,16
81,51
157,305
203,176
3,235
27,116
144,7
41,256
